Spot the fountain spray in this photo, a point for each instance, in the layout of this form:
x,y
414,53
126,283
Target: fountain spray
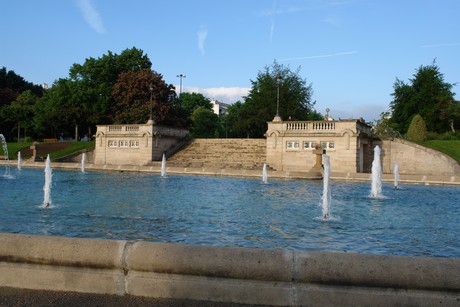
x,y
163,166
376,188
47,186
264,174
326,198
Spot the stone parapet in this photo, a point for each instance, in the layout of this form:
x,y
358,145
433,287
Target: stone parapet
x,y
232,275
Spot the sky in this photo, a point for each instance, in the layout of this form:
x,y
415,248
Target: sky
x,y
350,51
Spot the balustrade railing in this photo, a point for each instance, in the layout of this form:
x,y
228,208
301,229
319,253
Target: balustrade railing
x,y
310,126
133,129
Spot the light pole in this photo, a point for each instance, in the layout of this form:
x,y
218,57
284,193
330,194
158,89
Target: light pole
x,y
180,83
278,80
151,121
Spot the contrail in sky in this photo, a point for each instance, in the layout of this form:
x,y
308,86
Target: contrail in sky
x,y
440,45
202,34
91,15
320,56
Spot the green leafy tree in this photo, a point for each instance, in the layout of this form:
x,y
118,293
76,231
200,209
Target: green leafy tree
x,y
61,110
190,101
230,121
96,78
417,129
11,86
426,94
21,112
384,128
132,97
205,123
260,106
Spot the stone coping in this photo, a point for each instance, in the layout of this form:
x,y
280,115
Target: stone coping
x,y
238,275
249,173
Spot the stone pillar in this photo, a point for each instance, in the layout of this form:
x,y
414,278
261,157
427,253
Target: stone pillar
x,y
318,167
34,148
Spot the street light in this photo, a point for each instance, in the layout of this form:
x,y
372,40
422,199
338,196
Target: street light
x,y
151,121
180,86
278,80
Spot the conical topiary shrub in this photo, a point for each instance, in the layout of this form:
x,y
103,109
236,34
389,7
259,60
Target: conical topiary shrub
x,y
417,129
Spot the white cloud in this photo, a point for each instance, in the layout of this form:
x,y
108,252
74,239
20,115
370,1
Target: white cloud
x,y
202,34
91,15
224,94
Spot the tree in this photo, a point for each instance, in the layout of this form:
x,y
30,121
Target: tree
x,y
384,128
427,94
205,123
20,112
260,105
231,122
417,129
95,80
190,101
11,86
132,97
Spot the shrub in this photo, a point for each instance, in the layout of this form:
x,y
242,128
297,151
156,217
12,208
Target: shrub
x,y
417,129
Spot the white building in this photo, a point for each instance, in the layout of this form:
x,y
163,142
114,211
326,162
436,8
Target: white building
x,y
219,108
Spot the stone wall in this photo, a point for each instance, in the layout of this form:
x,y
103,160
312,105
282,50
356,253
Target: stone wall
x,y
231,275
415,159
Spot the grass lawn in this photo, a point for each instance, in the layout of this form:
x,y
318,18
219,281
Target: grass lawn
x,y
450,148
45,148
14,147
72,148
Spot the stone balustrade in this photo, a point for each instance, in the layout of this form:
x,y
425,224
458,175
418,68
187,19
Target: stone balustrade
x,y
322,126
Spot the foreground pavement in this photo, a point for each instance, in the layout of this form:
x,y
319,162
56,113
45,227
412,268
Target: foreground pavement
x,y
23,297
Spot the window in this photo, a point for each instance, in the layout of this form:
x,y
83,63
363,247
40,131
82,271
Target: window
x,y
309,145
123,143
292,144
134,143
112,143
327,145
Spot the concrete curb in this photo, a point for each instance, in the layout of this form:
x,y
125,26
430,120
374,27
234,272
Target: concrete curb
x,y
237,275
246,173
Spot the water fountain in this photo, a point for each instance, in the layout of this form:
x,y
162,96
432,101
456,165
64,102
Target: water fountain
x,y
19,161
264,174
47,186
234,212
5,153
163,166
326,198
376,188
83,162
396,175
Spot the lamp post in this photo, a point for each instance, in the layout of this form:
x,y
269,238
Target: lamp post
x,y
277,116
151,121
180,83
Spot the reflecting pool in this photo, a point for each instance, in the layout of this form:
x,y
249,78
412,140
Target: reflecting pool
x,y
415,220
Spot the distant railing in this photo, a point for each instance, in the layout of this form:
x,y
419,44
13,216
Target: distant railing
x,y
119,128
310,125
140,129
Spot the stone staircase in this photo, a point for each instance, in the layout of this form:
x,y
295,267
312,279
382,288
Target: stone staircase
x,y
221,153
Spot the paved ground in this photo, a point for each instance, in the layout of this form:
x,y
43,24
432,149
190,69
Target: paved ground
x,y
21,297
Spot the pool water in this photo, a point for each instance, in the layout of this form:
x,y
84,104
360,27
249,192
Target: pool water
x,y
416,220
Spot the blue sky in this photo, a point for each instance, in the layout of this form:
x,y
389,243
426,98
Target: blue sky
x,y
351,51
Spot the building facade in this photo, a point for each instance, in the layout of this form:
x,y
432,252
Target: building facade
x,y
135,144
296,145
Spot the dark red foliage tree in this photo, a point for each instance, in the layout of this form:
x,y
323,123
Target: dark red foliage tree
x,y
132,94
